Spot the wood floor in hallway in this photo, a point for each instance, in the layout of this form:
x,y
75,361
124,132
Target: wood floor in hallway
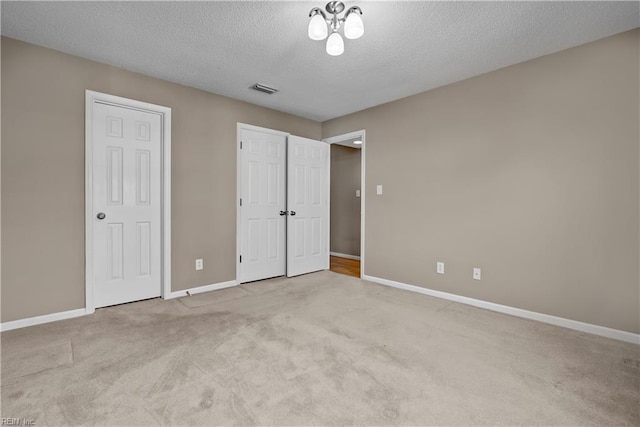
x,y
350,267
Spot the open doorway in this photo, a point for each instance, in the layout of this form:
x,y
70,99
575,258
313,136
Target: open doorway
x,y
346,203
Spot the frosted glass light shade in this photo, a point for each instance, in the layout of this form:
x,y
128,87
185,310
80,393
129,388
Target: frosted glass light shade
x,y
335,44
353,26
318,28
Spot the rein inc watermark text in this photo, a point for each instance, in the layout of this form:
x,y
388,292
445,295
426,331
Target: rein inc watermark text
x,y
6,421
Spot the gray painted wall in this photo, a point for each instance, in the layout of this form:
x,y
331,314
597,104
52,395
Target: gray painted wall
x,y
43,174
529,172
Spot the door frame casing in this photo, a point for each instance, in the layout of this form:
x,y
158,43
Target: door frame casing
x,y
339,138
239,128
91,97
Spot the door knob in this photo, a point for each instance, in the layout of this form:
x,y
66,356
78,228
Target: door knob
x,y
293,213
101,216
283,213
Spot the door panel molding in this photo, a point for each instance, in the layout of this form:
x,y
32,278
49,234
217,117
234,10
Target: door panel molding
x,y
115,128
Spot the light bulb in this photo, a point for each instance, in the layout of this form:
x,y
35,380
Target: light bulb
x,y
353,26
335,44
317,28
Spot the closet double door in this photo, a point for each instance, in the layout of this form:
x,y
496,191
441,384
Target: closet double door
x,y
284,204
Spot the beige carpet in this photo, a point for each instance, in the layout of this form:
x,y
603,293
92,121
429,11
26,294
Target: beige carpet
x,y
321,349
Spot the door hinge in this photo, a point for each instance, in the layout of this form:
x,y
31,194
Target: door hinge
x,y
240,202
240,258
241,145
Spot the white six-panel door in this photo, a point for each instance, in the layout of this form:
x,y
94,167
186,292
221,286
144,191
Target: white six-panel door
x,y
308,202
126,204
262,230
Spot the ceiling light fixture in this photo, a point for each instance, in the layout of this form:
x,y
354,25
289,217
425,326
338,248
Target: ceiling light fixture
x,y
358,142
319,26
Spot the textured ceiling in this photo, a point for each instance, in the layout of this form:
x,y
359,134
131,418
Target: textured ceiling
x,y
225,47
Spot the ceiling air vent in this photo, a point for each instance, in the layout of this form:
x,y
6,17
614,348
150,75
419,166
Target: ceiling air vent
x,y
263,88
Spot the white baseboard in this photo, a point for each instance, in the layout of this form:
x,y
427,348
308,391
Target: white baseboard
x,y
518,312
53,317
338,254
201,289
38,320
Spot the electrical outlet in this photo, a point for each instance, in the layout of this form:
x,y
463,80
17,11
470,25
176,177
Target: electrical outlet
x,y
440,267
199,264
379,190
476,273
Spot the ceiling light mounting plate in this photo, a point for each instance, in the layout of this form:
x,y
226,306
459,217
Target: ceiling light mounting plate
x,y
334,7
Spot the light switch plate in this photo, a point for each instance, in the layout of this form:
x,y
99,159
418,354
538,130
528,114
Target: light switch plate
x,y
440,267
476,273
379,189
199,264
357,193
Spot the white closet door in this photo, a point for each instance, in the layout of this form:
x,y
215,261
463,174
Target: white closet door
x,y
262,213
308,206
